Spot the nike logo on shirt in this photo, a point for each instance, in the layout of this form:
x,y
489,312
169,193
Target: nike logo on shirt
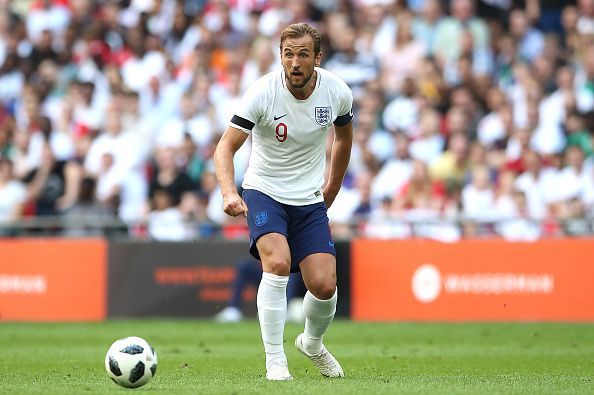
x,y
277,118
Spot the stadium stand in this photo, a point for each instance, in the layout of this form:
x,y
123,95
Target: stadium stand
x,y
473,118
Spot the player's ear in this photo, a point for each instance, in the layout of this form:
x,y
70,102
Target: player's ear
x,y
318,59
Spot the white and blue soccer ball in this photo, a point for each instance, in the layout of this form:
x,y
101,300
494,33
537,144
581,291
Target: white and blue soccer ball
x,y
131,362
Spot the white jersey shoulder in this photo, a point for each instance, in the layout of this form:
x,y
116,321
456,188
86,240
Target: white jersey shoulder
x,y
289,135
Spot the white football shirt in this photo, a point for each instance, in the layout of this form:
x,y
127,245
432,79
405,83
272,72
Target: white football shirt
x,y
289,135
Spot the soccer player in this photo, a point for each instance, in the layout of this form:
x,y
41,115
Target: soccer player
x,y
284,195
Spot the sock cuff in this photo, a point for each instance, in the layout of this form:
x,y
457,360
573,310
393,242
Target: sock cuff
x,y
323,301
274,279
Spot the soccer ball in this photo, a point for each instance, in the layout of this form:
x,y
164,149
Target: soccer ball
x,y
131,362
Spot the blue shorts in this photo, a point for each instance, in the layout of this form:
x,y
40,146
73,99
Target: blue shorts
x,y
305,227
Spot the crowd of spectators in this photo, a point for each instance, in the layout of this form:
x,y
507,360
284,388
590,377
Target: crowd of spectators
x,y
473,118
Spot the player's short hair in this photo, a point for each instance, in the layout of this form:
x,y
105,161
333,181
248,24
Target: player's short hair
x,y
297,30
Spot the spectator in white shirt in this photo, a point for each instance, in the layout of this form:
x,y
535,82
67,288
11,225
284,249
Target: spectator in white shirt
x,y
395,173
429,144
538,183
87,111
573,179
401,114
165,221
50,16
123,145
553,109
478,197
491,127
505,204
144,63
14,195
190,121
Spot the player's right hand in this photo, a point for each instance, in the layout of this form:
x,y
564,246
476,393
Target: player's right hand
x,y
234,205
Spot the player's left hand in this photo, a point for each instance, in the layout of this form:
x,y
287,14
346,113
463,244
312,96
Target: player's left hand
x,y
329,195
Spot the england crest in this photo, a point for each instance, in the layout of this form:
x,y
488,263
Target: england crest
x,y
261,218
323,115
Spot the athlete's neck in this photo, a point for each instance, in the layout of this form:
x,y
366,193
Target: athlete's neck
x,y
307,90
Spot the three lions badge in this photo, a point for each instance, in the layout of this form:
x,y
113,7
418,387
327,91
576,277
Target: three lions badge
x,y
261,218
323,115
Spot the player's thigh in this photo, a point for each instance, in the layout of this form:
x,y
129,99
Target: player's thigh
x,y
319,274
268,221
312,248
309,233
274,252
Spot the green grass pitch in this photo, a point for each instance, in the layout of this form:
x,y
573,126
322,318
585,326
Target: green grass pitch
x,y
200,357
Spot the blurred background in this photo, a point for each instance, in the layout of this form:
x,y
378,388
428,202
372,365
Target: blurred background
x,y
473,126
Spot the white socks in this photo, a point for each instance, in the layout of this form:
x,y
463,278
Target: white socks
x,y
318,316
272,313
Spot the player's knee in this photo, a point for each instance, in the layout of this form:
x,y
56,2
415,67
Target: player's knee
x,y
324,289
278,266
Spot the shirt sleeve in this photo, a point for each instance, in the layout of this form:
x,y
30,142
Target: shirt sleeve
x,y
250,108
345,106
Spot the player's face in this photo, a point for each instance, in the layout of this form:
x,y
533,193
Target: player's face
x,y
299,60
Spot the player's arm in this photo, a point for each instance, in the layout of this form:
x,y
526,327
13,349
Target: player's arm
x,y
231,141
339,161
